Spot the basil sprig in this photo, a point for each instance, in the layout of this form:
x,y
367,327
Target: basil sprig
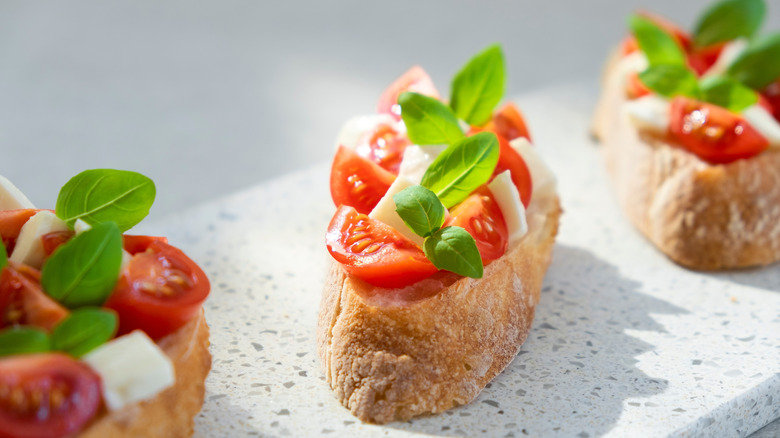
x,y
658,46
479,86
427,120
727,93
759,64
462,167
84,330
83,271
23,340
450,248
102,195
3,255
728,20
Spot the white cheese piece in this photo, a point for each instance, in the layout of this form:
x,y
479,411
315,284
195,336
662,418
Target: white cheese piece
x,y
630,64
542,178
132,368
649,113
12,198
385,210
764,123
80,226
727,57
356,127
417,159
508,198
29,247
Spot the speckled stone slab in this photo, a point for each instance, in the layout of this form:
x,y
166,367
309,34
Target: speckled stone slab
x,y
625,343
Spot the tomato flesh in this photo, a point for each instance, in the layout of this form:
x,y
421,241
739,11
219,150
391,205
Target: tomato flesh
x,y
509,123
713,133
771,95
510,159
481,216
55,239
159,291
375,252
46,395
416,80
357,182
135,244
635,88
11,223
385,146
23,302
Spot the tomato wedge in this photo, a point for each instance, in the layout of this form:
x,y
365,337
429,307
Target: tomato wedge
x,y
481,216
135,244
713,133
11,223
357,182
46,395
385,146
52,241
375,252
509,123
159,291
22,301
415,79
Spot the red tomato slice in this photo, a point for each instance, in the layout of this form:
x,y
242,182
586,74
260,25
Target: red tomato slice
x,y
11,223
135,244
713,133
22,301
384,146
375,252
52,241
771,96
481,216
159,291
357,182
508,122
46,395
415,80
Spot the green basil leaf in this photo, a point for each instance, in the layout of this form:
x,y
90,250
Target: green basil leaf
x,y
420,209
3,255
479,86
103,195
728,20
83,271
84,330
427,120
671,80
462,167
453,249
659,47
759,65
728,93
21,340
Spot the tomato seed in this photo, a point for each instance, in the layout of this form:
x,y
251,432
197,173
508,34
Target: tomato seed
x,y
360,245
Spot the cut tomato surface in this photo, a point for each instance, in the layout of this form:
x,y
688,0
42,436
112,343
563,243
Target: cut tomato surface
x,y
375,252
55,239
357,182
510,159
46,395
635,88
135,244
481,216
23,302
415,80
509,123
713,133
11,223
771,95
383,145
159,291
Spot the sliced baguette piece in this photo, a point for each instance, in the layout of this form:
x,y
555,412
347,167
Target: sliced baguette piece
x,y
702,216
392,354
171,412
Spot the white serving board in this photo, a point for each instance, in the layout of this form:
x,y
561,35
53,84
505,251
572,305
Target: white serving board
x,y
624,342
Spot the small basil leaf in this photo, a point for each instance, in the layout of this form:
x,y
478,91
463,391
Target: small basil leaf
x,y
728,93
83,271
462,167
659,47
728,20
3,255
479,86
84,330
759,65
420,209
453,249
427,120
671,80
23,340
103,195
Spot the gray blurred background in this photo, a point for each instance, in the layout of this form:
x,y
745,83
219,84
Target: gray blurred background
x,y
211,97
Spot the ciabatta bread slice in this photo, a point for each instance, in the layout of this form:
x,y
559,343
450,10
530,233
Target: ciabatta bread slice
x,y
702,216
391,354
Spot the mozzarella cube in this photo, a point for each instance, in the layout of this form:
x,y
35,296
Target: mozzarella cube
x,y
649,113
12,198
542,178
417,159
385,210
508,199
29,246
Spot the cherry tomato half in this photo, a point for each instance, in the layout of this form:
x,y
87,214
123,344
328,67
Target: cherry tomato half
x,y
357,182
385,146
481,216
46,395
509,123
375,252
11,223
52,241
415,80
22,301
159,291
135,244
713,133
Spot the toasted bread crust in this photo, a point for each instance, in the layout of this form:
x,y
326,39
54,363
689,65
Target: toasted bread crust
x,y
702,216
171,412
391,361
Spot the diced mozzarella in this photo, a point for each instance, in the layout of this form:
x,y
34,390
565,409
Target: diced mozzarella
x,y
417,159
727,56
542,178
508,198
649,113
385,210
355,127
132,368
12,198
765,124
29,247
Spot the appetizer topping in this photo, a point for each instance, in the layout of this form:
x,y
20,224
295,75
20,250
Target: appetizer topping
x,y
11,198
29,246
544,182
415,80
480,215
23,302
507,197
357,181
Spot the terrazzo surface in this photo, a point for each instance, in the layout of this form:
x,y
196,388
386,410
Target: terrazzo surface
x,y
624,341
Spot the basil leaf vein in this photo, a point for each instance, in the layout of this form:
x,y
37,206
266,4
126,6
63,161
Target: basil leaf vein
x,y
759,64
656,43
23,340
420,210
479,86
84,330
728,20
454,249
427,120
728,93
671,80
